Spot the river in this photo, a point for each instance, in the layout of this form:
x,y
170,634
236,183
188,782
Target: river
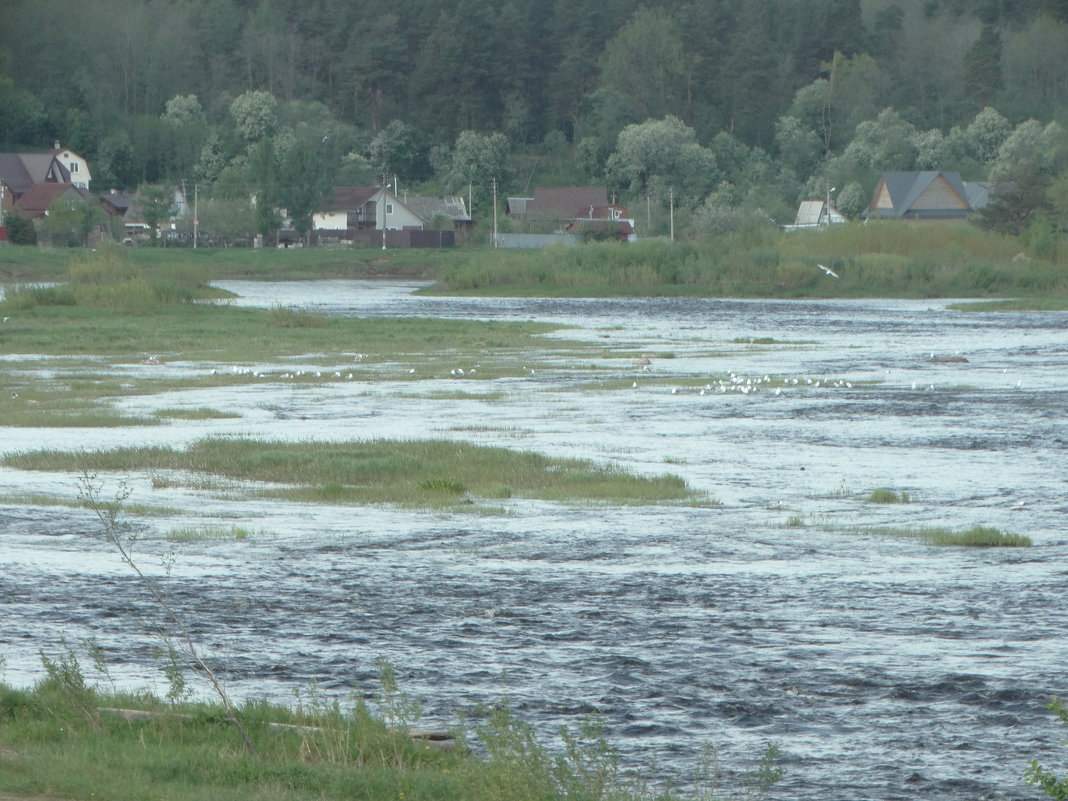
x,y
885,668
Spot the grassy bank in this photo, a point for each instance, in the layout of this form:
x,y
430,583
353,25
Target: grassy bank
x,y
19,264
116,303
877,260
411,473
71,738
886,259
66,738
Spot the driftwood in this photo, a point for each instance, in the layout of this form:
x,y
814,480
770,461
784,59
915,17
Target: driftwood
x,y
437,739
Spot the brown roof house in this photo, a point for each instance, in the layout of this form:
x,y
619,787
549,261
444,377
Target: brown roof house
x,y
604,222
20,171
928,195
567,208
38,199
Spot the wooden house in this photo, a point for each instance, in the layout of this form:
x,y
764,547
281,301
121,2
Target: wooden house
x,y
928,195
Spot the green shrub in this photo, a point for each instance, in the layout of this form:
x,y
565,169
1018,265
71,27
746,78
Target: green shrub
x,y
20,230
884,495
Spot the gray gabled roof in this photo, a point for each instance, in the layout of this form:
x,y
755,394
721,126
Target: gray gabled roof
x,y
350,198
20,171
517,206
905,188
451,206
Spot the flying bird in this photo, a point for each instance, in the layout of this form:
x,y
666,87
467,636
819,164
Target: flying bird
x,y
828,270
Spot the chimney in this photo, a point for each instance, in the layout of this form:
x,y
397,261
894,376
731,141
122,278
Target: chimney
x,y
56,144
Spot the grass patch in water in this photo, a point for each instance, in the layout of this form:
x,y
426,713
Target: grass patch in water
x,y
1015,304
199,413
974,537
794,521
44,499
885,495
445,394
198,533
411,473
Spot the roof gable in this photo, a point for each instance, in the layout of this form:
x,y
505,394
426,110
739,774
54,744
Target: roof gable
x,y
930,193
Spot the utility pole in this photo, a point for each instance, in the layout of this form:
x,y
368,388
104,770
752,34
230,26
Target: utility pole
x,y
494,211
671,211
382,203
196,220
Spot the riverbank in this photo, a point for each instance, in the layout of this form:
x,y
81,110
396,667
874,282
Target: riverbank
x,y
128,746
880,260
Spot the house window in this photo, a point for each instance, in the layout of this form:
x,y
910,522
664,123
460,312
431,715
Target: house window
x,y
74,166
389,208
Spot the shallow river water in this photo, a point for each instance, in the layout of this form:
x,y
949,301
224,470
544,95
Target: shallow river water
x,y
884,667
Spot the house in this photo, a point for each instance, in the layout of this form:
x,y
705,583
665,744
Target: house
x,y
440,207
604,222
20,171
815,214
571,208
557,204
130,208
354,212
928,195
77,167
38,199
30,183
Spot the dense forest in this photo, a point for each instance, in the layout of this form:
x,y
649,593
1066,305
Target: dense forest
x,y
730,107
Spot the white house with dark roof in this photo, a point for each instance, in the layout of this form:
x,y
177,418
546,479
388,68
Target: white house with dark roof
x,y
351,209
77,167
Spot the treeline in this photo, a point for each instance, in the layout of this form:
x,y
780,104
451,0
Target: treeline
x,y
775,99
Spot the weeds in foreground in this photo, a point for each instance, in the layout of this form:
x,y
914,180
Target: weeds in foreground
x,y
1052,785
114,533
331,749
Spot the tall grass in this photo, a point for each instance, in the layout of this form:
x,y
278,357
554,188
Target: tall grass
x,y
880,260
417,473
109,279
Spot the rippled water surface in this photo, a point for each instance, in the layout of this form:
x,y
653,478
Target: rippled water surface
x,y
885,667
